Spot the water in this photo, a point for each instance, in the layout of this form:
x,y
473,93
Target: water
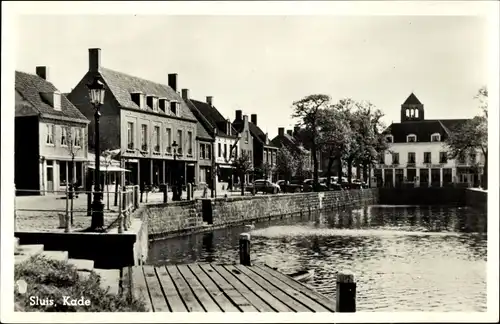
x,y
405,258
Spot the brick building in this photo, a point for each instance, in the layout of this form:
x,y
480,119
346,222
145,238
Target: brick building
x,y
142,119
50,134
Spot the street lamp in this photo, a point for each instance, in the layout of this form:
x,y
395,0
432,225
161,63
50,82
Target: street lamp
x,y
96,91
175,189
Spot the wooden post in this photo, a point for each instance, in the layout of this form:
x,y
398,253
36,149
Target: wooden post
x,y
120,207
346,293
67,223
245,249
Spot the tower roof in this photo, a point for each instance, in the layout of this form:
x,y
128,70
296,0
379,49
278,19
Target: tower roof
x,y
412,100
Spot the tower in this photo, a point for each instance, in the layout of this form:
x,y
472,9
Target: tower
x,y
412,109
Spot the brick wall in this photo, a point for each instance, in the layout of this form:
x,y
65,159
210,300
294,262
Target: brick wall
x,y
179,218
171,217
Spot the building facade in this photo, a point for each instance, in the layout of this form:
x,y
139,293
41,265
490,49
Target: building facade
x,y
50,136
148,122
292,143
418,153
247,141
226,140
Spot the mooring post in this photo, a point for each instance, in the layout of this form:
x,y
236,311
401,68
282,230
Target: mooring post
x,y
245,249
165,192
346,293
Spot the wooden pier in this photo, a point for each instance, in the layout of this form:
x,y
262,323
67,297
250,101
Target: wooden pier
x,y
205,287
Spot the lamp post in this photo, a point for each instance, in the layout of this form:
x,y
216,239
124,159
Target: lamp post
x,y
96,91
175,189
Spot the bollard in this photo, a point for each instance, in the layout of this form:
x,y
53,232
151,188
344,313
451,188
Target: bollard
x,y
346,293
67,223
165,192
245,249
136,197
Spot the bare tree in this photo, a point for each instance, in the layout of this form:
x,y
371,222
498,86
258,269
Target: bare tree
x,y
75,142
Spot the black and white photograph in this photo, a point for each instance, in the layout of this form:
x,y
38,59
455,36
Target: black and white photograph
x,y
294,160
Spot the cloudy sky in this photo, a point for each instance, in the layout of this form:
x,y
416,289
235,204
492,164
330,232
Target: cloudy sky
x,y
261,64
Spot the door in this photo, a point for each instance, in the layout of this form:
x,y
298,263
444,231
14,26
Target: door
x,y
50,178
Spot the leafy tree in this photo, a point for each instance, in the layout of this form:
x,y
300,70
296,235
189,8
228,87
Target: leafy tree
x,y
309,110
286,163
335,136
74,143
242,165
472,136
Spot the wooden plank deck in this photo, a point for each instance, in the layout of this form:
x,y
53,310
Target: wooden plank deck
x,y
222,288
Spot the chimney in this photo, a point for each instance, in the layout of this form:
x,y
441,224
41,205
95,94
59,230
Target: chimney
x,y
41,71
238,114
281,131
210,100
296,130
253,119
289,132
94,59
185,94
172,81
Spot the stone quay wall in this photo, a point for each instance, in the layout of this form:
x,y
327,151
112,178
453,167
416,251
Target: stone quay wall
x,y
476,198
180,218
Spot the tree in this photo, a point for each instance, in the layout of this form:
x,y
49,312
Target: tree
x,y
286,163
242,165
74,143
264,170
309,110
335,136
472,136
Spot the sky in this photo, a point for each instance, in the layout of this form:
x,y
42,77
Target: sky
x,y
262,64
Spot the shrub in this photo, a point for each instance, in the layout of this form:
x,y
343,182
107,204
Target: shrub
x,y
52,280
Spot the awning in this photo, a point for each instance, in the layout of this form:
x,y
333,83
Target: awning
x,y
110,168
223,166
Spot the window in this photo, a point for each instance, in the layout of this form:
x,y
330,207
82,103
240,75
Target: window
x,y
169,140
78,137
163,103
130,135
265,156
411,138
381,158
156,137
461,159
219,150
443,157
395,158
436,137
472,158
427,157
64,136
209,151
50,134
274,158
57,101
225,151
175,108
411,157
179,141
389,138
202,151
247,135
190,143
144,137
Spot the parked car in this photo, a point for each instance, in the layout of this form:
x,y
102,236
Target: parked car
x,y
265,186
308,185
290,187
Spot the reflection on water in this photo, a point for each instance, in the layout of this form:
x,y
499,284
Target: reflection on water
x,y
406,258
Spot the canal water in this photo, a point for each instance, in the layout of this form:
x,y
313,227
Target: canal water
x,y
405,258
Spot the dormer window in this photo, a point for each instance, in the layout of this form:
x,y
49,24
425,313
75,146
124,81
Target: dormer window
x,y
53,99
175,108
152,102
412,138
389,139
163,104
436,137
138,98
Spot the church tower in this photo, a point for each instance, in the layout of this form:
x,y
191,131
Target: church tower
x,y
412,109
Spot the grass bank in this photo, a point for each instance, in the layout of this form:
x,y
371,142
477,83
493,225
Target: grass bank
x,y
51,284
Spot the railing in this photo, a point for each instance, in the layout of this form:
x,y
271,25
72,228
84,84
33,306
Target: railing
x,y
35,211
